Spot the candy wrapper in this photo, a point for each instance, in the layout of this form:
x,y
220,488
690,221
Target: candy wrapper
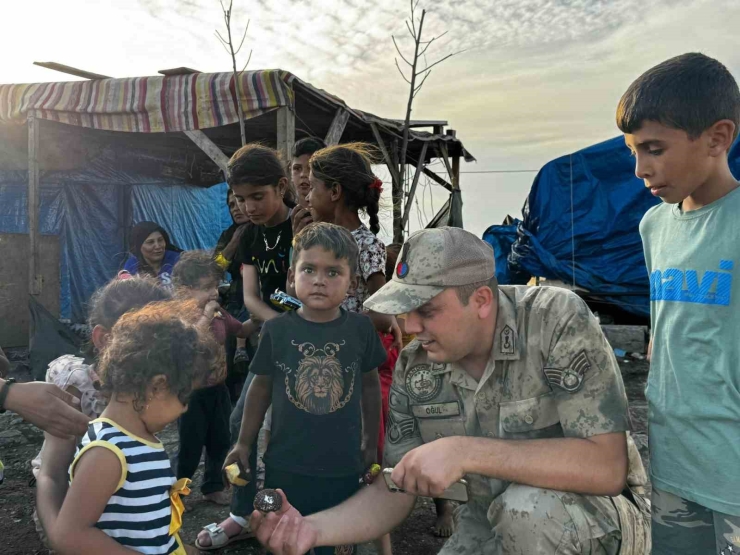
x,y
370,475
236,475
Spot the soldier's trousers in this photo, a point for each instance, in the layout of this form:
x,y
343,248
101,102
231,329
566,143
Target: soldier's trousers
x,y
525,521
684,527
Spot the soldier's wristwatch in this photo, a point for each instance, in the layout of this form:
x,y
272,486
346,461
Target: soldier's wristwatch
x,y
4,393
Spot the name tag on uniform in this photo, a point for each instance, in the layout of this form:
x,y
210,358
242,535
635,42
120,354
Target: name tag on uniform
x,y
436,410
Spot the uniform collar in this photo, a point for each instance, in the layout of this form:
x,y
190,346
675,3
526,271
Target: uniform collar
x,y
506,339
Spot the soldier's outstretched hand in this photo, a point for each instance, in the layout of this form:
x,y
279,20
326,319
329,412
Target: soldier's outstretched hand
x,y
285,531
431,468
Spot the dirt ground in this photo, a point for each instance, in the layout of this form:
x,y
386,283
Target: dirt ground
x,y
20,442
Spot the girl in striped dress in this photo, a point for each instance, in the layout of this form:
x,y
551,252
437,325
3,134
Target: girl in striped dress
x,y
122,495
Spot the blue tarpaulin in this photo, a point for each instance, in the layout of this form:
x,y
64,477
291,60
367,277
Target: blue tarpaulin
x,y
84,209
501,238
581,223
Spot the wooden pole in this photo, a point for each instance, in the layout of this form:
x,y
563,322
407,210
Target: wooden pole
x,y
210,148
34,278
414,183
455,177
337,127
285,133
437,179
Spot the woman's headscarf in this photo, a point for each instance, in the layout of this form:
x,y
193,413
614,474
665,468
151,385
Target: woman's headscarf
x,y
140,232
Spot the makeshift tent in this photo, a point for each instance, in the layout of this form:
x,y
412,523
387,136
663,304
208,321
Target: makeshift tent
x,y
85,160
581,226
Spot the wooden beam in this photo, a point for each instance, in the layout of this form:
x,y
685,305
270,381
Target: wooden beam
x,y
422,122
386,156
414,183
209,147
437,179
71,70
384,150
178,71
285,133
455,176
446,159
337,127
34,276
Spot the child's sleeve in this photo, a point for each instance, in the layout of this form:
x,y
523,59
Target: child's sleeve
x,y
233,326
263,363
372,258
375,353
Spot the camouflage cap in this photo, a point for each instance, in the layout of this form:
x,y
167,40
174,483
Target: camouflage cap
x,y
431,261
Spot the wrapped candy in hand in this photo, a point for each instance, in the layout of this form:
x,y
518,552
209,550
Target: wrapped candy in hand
x,y
268,501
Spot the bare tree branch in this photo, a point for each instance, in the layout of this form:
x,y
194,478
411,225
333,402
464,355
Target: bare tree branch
x,y
399,51
440,61
247,63
243,37
401,72
412,33
429,43
417,89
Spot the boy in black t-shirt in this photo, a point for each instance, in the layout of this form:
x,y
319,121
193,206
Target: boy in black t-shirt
x,y
318,368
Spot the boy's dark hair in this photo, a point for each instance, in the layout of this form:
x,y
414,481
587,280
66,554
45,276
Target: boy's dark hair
x,y
333,238
159,339
690,92
193,266
350,165
307,145
259,165
119,296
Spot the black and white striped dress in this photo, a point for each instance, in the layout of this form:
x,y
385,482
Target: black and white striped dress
x,y
139,513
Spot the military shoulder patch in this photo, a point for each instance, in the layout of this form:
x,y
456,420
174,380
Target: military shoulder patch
x,y
571,378
422,384
506,341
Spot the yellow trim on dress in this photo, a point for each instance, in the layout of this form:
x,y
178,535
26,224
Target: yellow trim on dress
x,y
105,445
176,506
180,548
157,445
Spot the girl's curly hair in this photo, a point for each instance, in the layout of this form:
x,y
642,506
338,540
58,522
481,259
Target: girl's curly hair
x,y
159,339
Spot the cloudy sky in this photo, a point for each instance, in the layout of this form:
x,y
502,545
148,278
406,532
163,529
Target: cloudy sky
x,y
538,78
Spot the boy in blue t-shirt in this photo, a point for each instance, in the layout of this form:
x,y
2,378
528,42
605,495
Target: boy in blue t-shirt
x,y
680,119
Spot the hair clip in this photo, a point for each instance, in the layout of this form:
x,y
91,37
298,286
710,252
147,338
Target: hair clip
x,y
377,184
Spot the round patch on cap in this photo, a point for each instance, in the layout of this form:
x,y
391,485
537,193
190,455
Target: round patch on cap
x,y
402,270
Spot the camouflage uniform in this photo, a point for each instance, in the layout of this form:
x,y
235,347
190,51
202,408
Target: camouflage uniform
x,y
682,526
551,374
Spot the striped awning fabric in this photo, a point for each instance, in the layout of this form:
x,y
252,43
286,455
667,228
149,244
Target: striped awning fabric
x,y
149,104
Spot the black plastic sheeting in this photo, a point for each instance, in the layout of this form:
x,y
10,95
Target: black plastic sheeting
x,y
581,220
92,211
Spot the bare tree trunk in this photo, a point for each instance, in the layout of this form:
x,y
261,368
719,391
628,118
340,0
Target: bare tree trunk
x,y
400,163
229,46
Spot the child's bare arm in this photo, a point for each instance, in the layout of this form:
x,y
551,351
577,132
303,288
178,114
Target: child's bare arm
x,y
51,486
248,328
96,478
258,401
371,405
255,305
4,364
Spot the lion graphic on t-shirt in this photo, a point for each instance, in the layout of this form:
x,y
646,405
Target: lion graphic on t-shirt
x,y
319,380
319,384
